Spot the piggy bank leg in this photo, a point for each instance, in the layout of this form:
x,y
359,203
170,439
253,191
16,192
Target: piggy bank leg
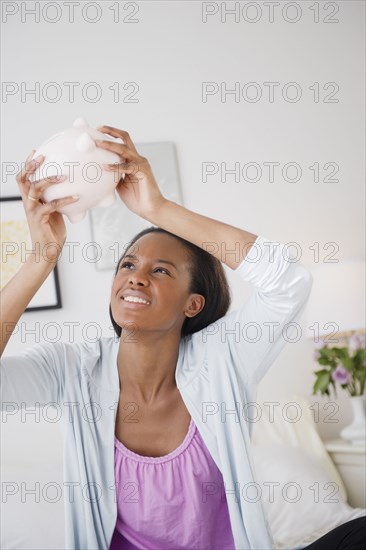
x,y
107,201
74,217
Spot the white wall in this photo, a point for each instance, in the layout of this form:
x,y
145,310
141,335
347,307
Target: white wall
x,y
169,52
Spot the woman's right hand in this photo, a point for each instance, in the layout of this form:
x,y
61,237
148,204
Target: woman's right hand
x,y
46,225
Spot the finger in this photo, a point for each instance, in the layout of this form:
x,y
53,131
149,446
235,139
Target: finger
x,y
122,168
36,187
29,168
33,164
115,132
30,156
21,175
52,206
119,148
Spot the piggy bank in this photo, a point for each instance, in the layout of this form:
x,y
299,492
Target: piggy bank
x,y
74,154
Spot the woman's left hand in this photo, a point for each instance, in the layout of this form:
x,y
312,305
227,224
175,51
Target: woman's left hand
x,y
137,186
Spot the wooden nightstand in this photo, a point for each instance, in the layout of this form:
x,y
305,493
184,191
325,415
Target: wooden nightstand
x,y
351,465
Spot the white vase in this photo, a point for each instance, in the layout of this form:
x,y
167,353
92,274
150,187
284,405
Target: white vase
x,y
355,432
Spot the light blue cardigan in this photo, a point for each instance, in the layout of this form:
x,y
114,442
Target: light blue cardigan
x,y
217,373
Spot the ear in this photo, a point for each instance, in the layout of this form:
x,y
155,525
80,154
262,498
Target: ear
x,y
85,144
196,303
78,122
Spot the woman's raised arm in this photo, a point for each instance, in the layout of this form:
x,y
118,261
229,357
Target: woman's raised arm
x,y
227,243
139,191
48,234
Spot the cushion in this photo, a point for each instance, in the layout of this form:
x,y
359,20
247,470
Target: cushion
x,y
302,492
291,423
301,501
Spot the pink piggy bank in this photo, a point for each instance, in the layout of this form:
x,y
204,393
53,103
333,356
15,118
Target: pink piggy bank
x,y
74,154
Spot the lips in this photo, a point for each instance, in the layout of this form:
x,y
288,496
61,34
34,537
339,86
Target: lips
x,y
135,294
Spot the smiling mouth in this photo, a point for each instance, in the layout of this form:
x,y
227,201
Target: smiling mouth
x,y
136,301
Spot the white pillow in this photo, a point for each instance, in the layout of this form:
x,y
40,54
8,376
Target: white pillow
x,y
301,501
276,426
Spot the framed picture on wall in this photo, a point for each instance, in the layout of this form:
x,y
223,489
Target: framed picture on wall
x,y
114,227
15,241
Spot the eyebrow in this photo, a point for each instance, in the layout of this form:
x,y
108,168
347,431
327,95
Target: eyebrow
x,y
133,257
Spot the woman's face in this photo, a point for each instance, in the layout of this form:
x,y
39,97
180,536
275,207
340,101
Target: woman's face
x,y
156,270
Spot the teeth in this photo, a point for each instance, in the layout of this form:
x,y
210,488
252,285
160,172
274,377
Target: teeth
x,y
135,299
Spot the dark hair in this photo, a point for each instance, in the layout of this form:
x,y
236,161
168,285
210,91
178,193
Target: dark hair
x,y
207,278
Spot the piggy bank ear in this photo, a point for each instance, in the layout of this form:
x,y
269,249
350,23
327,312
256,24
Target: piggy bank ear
x,y
85,144
80,122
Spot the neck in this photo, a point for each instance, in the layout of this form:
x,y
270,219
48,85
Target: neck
x,y
146,365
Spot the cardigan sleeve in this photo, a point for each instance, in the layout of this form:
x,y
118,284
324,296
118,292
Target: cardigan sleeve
x,y
36,375
254,335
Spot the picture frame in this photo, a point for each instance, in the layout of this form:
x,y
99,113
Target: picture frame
x,y
14,242
113,227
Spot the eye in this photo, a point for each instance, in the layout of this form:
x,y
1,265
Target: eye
x,y
124,264
162,269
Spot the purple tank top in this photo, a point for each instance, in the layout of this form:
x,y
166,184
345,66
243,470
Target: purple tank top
x,y
171,502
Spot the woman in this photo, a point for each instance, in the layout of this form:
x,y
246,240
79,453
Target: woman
x,y
157,447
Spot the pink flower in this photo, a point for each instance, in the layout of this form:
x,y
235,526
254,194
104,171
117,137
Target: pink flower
x,y
341,375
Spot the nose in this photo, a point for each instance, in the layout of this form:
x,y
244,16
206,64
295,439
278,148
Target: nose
x,y
137,277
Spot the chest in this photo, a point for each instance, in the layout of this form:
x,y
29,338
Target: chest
x,y
152,431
